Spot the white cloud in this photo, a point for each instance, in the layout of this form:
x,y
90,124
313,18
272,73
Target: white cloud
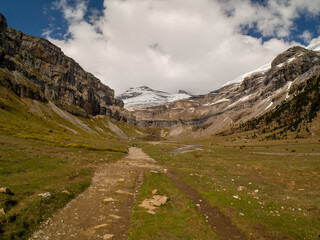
x,y
177,44
306,36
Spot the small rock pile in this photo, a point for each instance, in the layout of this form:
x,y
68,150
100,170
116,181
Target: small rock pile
x,y
154,202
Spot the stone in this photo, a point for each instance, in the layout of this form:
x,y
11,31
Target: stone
x,y
114,216
108,236
154,191
151,212
153,171
154,202
121,180
240,188
66,192
156,197
100,226
109,199
45,195
163,200
5,190
146,204
123,192
2,212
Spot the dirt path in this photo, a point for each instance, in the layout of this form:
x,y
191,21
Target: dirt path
x,y
103,210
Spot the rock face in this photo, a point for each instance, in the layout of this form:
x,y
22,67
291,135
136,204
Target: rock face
x,y
35,68
250,96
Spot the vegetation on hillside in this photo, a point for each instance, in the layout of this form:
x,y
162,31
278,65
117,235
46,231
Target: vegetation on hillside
x,y
43,150
291,117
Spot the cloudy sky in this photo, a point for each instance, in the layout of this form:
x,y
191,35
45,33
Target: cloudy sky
x,y
194,45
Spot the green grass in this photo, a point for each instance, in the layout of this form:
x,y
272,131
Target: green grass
x,y
178,219
286,203
41,151
29,167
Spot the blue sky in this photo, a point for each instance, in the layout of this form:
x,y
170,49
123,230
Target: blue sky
x,y
200,44
34,17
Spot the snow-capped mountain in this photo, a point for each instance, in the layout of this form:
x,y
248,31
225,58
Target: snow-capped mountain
x,y
250,95
314,46
145,96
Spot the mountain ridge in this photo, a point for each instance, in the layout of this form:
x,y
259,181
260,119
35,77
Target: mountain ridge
x,y
144,96
34,68
235,103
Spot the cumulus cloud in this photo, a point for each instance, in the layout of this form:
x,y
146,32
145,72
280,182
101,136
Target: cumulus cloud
x,y
177,44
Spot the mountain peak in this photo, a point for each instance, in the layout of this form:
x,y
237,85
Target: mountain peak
x,y
145,96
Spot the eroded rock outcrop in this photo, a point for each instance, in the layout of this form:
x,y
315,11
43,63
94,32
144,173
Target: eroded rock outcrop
x,y
35,68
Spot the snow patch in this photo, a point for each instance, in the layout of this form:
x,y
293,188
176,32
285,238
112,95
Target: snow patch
x,y
243,99
218,101
314,46
239,79
145,96
269,106
287,62
288,88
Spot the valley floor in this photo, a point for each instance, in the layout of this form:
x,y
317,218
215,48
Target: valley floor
x,y
219,188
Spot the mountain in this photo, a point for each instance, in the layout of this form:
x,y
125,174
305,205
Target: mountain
x,y
35,68
46,95
144,96
251,95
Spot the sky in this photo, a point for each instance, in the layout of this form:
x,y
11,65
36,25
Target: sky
x,y
193,45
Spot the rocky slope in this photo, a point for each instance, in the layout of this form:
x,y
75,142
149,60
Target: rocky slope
x,y
291,117
34,68
249,96
140,97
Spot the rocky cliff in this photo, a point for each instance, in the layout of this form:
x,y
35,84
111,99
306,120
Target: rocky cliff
x,y
35,68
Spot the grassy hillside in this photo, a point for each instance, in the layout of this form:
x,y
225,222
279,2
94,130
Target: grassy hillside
x,y
44,149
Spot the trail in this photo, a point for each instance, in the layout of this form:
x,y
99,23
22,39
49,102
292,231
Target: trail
x,y
88,217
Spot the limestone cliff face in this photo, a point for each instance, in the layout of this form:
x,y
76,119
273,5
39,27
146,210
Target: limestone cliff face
x,y
35,68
